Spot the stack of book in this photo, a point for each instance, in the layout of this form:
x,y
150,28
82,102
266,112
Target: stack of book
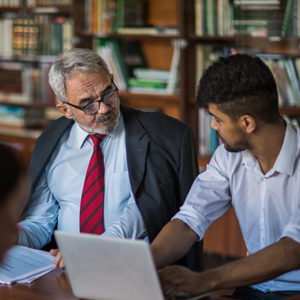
x,y
25,83
213,17
35,34
263,18
120,16
33,3
158,81
109,50
257,18
291,20
20,117
128,65
149,81
286,72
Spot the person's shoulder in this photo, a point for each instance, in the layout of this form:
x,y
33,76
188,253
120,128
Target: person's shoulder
x,y
157,121
57,126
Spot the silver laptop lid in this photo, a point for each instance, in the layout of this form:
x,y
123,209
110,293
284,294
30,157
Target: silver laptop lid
x,y
109,268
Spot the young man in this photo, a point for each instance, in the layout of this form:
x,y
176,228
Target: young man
x,y
257,171
129,186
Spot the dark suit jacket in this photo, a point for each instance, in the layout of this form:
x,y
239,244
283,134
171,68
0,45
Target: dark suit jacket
x,y
162,164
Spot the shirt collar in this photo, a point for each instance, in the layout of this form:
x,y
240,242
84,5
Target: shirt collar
x,y
79,136
285,161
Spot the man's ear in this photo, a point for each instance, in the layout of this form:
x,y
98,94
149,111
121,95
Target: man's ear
x,y
247,123
63,108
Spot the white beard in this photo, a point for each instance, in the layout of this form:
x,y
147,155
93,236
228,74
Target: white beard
x,y
110,127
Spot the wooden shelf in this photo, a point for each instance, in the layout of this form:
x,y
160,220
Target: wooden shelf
x,y
167,104
153,97
19,104
275,45
62,9
212,39
28,58
290,111
161,37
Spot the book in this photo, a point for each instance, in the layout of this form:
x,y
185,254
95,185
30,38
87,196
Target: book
x,y
147,83
109,50
174,69
133,55
152,74
287,17
20,117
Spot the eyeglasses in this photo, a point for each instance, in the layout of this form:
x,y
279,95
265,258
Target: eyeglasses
x,y
92,108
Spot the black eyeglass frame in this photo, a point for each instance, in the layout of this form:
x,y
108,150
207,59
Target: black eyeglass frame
x,y
102,99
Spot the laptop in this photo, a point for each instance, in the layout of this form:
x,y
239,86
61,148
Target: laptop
x,y
109,268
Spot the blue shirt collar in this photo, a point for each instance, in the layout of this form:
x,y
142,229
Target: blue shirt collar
x,y
79,136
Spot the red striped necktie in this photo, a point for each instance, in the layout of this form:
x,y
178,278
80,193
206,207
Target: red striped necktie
x,y
92,198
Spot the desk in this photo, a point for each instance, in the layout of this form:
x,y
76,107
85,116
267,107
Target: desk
x,y
56,286
53,286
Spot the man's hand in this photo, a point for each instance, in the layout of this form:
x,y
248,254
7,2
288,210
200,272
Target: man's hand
x,y
178,279
58,261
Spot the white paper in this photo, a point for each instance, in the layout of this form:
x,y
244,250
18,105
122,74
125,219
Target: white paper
x,y
23,265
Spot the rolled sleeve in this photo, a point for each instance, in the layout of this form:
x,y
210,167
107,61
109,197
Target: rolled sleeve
x,y
208,199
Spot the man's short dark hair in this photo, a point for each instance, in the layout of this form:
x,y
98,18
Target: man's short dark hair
x,y
240,84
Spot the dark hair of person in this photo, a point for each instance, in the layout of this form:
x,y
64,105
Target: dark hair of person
x,y
11,171
240,85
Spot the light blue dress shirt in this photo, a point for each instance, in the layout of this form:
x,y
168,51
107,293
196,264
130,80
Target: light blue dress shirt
x,y
58,194
266,205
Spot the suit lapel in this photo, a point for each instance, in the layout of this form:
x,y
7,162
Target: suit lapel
x,y
46,146
137,142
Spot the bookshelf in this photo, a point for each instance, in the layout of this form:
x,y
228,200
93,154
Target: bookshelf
x,y
34,33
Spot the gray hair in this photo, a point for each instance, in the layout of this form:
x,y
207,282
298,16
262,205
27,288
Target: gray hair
x,y
69,63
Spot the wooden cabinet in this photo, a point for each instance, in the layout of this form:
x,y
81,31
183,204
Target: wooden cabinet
x,y
20,139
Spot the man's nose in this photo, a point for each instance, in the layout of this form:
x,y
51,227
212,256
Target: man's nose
x,y
103,108
213,124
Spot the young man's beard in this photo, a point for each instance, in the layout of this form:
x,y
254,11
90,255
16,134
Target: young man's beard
x,y
239,146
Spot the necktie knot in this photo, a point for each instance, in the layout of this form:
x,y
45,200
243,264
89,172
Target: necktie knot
x,y
97,139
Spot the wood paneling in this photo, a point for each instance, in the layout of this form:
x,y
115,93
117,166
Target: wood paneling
x,y
224,236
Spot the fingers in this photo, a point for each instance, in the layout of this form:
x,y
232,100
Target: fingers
x,y
170,280
54,252
178,279
61,264
58,261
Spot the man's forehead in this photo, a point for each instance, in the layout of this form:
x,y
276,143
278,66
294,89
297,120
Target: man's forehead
x,y
214,110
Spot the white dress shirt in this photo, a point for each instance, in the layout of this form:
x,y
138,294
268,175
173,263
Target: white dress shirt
x,y
266,205
57,197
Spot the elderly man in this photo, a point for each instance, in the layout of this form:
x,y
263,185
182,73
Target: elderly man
x,y
104,168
